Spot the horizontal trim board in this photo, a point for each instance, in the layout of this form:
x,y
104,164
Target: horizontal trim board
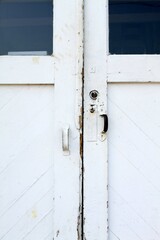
x,y
133,68
27,70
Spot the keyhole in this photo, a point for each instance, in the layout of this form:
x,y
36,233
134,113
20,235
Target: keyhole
x,y
93,94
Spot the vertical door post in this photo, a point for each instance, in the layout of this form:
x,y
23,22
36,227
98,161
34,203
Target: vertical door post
x,y
95,115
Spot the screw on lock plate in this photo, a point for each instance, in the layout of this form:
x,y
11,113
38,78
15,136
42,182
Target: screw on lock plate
x,y
93,94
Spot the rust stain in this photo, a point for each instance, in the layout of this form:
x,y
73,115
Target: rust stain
x,y
80,119
79,223
80,220
81,146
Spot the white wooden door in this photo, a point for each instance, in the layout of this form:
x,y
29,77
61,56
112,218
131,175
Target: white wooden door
x,y
128,166
40,100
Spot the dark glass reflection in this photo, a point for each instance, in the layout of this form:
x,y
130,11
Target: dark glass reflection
x,y
26,27
134,27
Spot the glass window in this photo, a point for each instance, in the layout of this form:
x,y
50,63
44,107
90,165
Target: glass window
x,y
26,27
134,27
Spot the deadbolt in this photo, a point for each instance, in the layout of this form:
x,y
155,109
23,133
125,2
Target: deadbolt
x,y
93,94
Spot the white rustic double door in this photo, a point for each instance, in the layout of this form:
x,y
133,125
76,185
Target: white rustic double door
x,y
62,174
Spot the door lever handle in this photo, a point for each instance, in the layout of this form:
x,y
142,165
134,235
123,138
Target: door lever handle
x,y
105,127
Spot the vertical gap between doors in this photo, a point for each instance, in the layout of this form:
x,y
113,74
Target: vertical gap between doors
x,y
81,220
82,141
82,157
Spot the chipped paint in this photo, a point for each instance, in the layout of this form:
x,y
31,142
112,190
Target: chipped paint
x,y
79,74
79,224
80,220
81,146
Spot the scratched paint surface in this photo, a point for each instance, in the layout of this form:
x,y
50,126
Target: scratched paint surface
x,y
26,162
134,161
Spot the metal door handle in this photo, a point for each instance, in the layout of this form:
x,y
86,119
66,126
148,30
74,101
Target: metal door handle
x,y
105,128
65,140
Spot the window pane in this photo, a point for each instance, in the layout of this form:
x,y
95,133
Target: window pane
x,y
134,27
26,27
